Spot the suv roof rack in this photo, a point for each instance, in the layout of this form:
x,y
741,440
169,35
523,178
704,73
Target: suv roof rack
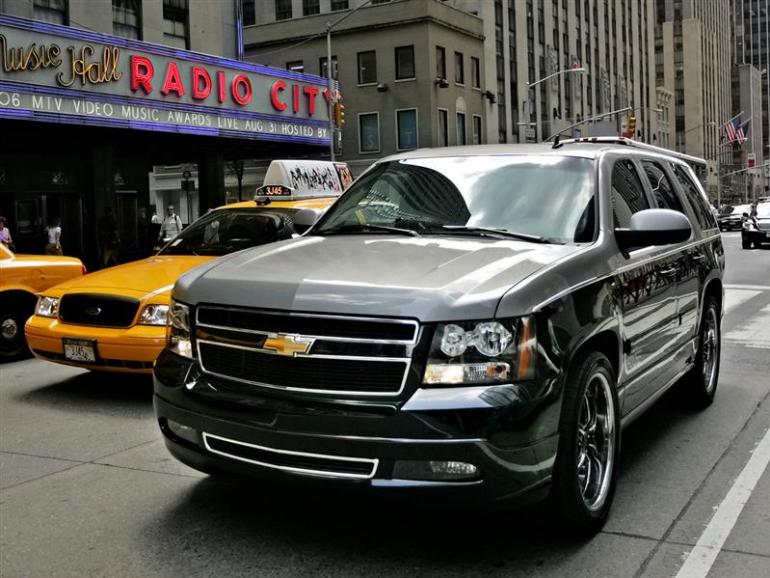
x,y
632,143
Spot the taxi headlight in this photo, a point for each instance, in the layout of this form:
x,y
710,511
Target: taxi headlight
x,y
178,338
495,351
154,315
47,307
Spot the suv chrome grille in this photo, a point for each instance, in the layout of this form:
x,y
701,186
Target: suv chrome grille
x,y
98,310
302,353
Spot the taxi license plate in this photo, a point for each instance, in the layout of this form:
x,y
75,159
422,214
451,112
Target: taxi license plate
x,y
79,350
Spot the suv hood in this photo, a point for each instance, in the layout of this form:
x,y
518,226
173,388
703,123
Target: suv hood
x,y
429,278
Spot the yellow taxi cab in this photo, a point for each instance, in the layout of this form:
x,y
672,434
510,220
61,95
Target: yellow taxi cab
x,y
21,278
115,319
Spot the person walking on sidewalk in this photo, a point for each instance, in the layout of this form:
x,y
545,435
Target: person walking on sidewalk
x,y
5,234
53,231
171,227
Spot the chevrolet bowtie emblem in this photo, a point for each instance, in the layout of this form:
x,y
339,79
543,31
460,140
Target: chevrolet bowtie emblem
x,y
289,345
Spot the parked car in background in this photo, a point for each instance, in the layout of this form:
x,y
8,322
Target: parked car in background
x,y
115,319
733,219
756,230
479,320
21,278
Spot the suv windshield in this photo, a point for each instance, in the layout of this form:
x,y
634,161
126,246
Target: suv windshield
x,y
538,198
226,230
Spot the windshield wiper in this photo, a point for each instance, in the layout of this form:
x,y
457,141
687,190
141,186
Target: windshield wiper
x,y
494,233
367,228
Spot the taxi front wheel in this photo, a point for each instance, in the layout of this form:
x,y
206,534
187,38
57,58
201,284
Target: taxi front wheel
x,y
12,342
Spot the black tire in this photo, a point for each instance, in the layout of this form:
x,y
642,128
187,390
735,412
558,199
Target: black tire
x,y
699,386
13,345
578,506
745,243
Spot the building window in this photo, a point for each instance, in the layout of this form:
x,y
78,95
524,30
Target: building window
x,y
295,66
127,18
310,7
460,128
322,67
475,72
369,132
51,11
282,9
443,128
476,129
459,68
175,28
406,124
339,5
440,62
404,62
249,12
367,67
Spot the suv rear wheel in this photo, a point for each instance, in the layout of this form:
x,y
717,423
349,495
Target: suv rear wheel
x,y
585,471
700,384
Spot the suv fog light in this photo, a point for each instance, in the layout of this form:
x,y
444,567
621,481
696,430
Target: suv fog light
x,y
183,431
491,372
435,471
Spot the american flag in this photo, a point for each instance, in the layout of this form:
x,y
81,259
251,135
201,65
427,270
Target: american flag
x,y
731,127
742,133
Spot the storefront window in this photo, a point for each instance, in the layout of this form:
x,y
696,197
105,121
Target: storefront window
x,y
367,67
51,11
127,18
406,120
369,132
175,28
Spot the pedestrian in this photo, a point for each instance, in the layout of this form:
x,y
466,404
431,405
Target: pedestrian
x,y
171,227
109,240
53,232
5,234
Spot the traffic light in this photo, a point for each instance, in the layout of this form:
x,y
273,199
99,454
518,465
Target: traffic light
x,y
339,114
631,125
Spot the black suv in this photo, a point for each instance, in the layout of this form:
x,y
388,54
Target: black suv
x,y
482,320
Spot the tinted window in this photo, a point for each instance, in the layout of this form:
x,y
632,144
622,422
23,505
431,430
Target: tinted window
x,y
696,198
224,231
662,191
550,197
627,193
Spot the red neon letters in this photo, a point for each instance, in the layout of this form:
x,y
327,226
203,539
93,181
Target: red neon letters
x,y
141,73
200,92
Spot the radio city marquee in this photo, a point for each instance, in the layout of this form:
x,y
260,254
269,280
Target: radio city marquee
x,y
58,74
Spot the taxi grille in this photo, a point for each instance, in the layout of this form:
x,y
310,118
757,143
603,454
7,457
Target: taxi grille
x,y
331,355
98,310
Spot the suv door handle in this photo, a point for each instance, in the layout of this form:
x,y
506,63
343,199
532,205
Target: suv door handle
x,y
668,272
699,257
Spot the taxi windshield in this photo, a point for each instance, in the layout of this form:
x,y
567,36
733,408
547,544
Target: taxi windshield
x,y
763,210
227,230
541,198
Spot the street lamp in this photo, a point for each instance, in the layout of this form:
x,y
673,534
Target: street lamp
x,y
532,85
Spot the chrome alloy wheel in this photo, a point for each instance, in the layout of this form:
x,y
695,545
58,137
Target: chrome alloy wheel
x,y
709,348
596,442
9,329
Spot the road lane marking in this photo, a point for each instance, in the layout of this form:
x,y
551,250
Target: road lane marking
x,y
751,287
736,297
709,545
755,332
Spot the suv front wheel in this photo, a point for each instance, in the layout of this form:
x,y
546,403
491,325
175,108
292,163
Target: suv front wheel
x,y
585,471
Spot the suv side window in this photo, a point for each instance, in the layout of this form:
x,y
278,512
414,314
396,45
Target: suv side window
x,y
662,190
627,193
694,196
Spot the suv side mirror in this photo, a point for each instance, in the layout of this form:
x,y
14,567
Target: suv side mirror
x,y
654,227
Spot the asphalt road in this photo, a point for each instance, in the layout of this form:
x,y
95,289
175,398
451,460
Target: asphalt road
x,y
87,488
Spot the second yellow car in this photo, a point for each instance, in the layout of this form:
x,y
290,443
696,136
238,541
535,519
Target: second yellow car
x,y
115,319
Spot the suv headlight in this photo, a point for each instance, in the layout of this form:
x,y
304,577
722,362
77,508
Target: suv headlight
x,y
47,307
178,337
154,315
497,351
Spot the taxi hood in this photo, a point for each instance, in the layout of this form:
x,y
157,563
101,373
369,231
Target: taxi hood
x,y
152,275
431,278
